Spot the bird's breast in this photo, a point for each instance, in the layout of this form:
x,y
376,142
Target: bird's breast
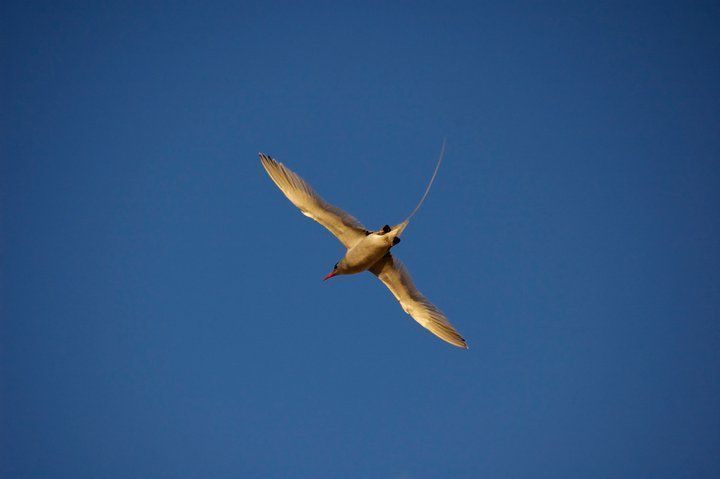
x,y
367,252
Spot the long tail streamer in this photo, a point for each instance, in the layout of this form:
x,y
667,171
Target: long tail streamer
x,y
404,224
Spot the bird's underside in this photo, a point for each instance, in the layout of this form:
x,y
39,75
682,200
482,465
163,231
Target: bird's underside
x,y
366,250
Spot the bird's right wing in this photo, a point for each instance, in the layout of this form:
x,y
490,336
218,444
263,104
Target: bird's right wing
x,y
393,273
344,226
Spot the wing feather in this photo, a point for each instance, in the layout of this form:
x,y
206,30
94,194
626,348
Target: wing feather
x,y
396,277
344,226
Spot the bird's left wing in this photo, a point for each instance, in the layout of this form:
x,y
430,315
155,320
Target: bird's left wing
x,y
344,226
394,275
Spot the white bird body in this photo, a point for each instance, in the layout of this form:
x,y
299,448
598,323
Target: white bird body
x,y
366,250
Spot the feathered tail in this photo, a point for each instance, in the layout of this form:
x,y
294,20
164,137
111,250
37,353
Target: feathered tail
x,y
401,227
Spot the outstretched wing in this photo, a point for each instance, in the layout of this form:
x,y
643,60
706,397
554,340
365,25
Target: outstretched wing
x,y
345,227
393,273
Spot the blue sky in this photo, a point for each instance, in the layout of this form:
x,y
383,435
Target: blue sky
x,y
163,313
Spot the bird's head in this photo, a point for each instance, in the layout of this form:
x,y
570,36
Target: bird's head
x,y
335,271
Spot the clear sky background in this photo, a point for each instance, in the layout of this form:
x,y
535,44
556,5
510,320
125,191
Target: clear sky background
x,y
163,313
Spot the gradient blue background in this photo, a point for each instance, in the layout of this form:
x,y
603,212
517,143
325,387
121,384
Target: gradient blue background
x,y
163,313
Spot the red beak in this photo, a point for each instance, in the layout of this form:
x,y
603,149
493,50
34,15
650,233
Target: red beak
x,y
329,275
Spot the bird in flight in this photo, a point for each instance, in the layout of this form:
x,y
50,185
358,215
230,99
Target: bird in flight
x,y
367,250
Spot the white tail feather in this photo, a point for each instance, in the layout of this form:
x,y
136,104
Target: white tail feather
x,y
404,224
